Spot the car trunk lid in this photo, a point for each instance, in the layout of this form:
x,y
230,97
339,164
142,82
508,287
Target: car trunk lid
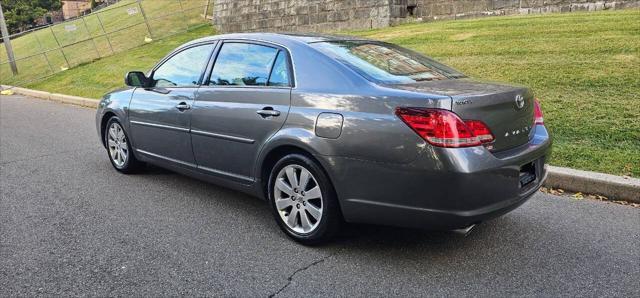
x,y
506,109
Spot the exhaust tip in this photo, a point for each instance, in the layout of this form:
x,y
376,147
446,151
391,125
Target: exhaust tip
x,y
465,231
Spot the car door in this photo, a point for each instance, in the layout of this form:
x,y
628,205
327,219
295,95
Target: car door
x,y
159,116
243,103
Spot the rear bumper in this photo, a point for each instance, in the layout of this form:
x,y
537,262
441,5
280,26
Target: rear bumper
x,y
442,189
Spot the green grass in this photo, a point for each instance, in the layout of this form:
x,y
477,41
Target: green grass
x,y
585,68
97,78
124,32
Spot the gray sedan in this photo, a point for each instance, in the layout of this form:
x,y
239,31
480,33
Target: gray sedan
x,y
331,129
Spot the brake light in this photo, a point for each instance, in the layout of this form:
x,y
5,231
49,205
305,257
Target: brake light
x,y
480,130
443,128
538,118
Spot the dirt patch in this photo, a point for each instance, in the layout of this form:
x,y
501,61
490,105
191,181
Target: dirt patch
x,y
580,196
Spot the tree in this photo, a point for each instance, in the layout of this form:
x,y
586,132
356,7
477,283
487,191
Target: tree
x,y
21,14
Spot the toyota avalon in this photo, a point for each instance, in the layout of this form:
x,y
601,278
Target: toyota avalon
x,y
332,129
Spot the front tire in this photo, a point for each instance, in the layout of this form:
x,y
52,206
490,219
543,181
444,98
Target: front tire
x,y
119,148
303,200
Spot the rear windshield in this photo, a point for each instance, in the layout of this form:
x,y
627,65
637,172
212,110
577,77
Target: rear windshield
x,y
386,63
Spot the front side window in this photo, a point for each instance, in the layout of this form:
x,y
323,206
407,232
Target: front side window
x,y
244,64
386,63
183,69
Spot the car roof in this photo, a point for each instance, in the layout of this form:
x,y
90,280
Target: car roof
x,y
281,38
317,37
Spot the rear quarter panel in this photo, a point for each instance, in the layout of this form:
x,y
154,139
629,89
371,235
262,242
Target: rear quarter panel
x,y
370,130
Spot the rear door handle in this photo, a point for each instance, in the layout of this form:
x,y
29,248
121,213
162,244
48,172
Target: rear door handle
x,y
183,106
268,112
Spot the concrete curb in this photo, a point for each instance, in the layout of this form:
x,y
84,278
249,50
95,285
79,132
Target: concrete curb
x,y
610,186
61,98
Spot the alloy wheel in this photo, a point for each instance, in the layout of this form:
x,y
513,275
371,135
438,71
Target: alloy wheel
x,y
117,144
298,198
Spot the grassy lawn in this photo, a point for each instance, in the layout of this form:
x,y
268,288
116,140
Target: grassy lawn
x,y
125,31
584,67
95,79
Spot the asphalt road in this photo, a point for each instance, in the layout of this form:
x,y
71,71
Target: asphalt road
x,y
71,225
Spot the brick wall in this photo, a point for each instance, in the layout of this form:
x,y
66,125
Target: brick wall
x,y
335,15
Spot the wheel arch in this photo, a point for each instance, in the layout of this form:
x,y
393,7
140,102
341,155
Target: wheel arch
x,y
278,149
103,124
271,157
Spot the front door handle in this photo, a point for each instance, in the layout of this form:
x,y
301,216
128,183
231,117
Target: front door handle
x,y
268,112
183,106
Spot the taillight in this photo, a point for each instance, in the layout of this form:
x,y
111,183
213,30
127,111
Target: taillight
x,y
480,130
444,128
538,119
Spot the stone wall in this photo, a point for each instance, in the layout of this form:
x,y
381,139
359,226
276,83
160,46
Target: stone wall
x,y
426,10
299,15
336,15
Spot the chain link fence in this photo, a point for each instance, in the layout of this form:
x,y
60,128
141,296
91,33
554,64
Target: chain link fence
x,y
125,25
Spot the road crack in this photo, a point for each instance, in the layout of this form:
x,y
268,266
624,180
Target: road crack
x,y
290,278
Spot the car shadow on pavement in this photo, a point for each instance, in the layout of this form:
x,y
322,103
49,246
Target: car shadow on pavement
x,y
351,236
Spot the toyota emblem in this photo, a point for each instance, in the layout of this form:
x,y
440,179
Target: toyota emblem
x,y
519,101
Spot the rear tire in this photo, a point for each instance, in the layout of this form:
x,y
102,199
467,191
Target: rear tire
x,y
303,200
119,148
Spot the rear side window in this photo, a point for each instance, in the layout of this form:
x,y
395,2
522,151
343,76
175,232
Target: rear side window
x,y
386,63
245,64
184,68
280,72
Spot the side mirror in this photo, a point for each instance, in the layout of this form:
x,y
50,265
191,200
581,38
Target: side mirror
x,y
136,79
